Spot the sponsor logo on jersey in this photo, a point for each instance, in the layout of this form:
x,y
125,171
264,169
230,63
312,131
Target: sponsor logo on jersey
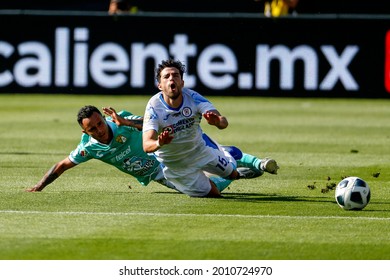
x,y
123,154
138,166
99,154
169,129
180,125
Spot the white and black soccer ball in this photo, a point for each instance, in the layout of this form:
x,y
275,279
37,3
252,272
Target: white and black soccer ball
x,y
352,193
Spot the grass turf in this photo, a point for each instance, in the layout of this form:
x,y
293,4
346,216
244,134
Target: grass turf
x,y
96,212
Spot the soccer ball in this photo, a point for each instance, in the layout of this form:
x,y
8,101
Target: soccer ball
x,y
352,193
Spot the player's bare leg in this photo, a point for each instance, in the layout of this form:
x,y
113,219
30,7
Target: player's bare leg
x,y
214,192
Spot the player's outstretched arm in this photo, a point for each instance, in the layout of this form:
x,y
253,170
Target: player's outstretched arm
x,y
52,174
215,118
137,123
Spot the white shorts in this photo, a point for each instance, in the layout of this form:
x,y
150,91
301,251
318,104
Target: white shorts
x,y
161,179
192,179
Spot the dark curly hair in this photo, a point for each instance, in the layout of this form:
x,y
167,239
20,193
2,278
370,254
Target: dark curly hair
x,y
86,112
170,63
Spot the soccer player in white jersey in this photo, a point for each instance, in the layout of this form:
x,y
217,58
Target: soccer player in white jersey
x,y
172,131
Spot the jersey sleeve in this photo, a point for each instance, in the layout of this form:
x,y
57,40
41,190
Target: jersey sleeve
x,y
150,119
128,115
202,103
80,154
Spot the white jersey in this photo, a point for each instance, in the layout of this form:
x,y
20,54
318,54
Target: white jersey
x,y
187,158
183,124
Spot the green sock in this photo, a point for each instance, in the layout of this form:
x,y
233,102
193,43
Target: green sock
x,y
248,160
220,182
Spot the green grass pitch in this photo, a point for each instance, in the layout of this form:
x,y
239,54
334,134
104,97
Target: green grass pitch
x,y
95,212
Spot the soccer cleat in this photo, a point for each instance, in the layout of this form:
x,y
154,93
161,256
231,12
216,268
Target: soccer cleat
x,y
269,165
248,173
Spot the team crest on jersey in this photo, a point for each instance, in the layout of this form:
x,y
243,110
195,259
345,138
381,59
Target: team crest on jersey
x,y
186,112
120,139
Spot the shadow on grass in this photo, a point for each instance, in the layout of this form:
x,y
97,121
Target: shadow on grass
x,y
259,197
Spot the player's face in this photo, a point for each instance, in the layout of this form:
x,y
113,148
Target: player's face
x,y
171,83
97,127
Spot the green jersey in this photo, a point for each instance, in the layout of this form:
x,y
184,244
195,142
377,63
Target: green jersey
x,y
125,151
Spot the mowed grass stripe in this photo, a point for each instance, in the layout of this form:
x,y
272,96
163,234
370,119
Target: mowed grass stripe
x,y
190,215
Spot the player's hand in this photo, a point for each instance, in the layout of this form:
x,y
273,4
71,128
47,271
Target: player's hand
x,y
109,111
211,118
164,138
214,119
34,189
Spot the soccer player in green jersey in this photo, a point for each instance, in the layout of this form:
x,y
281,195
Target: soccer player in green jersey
x,y
117,141
119,146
